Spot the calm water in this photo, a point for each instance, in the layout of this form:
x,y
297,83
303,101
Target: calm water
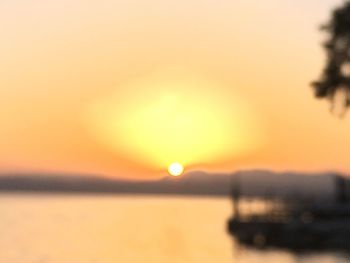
x,y
91,229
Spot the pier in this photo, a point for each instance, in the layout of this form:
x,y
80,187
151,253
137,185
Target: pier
x,y
292,224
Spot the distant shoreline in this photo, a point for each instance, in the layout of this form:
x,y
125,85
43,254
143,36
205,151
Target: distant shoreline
x,y
253,183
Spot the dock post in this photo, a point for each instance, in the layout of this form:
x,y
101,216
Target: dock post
x,y
235,196
340,189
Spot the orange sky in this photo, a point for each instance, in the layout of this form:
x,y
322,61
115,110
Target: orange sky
x,y
86,84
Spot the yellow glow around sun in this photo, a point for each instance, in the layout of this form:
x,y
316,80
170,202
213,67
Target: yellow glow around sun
x,y
169,117
175,169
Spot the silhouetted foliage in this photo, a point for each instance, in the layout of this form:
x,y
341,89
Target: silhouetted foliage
x,y
336,74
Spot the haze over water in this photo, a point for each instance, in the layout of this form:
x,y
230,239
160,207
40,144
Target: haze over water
x,y
109,229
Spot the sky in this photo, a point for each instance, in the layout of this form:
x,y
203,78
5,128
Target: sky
x,y
125,88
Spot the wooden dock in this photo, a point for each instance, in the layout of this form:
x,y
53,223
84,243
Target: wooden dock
x,y
297,226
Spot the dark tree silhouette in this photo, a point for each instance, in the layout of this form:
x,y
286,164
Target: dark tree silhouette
x,y
336,74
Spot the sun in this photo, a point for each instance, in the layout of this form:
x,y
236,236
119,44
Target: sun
x,y
175,169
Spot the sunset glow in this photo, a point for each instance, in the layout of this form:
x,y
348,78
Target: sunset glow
x,y
170,116
125,88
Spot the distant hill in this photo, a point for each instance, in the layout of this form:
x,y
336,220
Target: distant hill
x,y
252,183
188,184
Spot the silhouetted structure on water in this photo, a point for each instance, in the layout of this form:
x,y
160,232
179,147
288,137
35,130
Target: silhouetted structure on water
x,y
297,224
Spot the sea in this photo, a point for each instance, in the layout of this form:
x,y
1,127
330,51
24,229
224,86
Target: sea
x,y
61,228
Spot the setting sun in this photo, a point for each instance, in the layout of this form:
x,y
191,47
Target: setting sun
x,y
175,169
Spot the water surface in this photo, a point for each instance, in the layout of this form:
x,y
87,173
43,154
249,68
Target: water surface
x,y
91,228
